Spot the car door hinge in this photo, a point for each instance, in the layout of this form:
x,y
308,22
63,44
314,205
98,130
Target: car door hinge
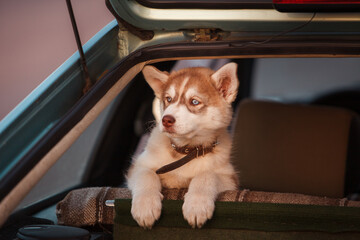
x,y
206,35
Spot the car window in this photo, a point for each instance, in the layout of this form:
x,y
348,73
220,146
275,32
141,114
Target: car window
x,y
289,79
70,169
302,79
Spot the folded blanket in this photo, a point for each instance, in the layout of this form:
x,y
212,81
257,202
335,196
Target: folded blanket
x,y
86,207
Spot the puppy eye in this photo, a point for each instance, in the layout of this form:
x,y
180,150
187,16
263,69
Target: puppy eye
x,y
195,102
168,99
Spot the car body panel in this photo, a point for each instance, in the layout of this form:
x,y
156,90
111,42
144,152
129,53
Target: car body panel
x,y
242,20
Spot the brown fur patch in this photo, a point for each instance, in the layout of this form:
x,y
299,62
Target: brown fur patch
x,y
200,80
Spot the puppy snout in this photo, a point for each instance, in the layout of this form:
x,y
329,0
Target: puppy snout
x,y
168,121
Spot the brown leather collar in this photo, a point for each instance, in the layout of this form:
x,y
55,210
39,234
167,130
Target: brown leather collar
x,y
191,153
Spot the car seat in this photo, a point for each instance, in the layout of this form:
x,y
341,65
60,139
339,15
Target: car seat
x,y
296,148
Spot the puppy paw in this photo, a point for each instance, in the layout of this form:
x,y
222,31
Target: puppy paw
x,y
197,209
146,209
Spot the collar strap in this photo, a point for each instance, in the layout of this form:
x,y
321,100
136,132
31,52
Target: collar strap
x,y
191,153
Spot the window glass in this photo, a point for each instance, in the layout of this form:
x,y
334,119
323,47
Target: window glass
x,y
69,170
299,79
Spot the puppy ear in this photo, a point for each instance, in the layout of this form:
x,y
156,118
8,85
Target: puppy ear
x,y
155,78
226,81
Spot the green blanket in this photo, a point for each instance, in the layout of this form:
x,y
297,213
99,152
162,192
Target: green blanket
x,y
245,220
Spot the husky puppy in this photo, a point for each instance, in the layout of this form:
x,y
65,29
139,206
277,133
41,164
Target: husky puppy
x,y
195,105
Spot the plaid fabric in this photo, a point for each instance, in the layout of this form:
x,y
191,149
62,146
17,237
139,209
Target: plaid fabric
x,y
86,207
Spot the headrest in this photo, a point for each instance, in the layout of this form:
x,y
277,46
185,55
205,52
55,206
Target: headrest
x,y
291,148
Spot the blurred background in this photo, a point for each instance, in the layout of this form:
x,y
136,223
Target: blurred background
x,y
36,37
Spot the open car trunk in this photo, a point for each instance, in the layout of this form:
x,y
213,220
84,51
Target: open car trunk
x,y
43,127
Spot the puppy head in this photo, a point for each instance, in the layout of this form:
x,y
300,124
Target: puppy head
x,y
194,101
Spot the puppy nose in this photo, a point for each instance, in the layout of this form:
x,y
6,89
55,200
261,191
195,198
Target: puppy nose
x,y
168,121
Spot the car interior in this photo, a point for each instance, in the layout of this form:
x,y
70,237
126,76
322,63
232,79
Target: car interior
x,y
304,145
295,127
